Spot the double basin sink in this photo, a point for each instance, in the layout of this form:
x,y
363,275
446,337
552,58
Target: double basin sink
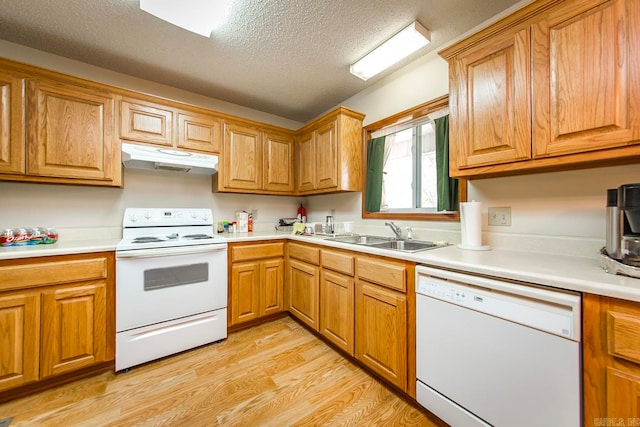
x,y
380,242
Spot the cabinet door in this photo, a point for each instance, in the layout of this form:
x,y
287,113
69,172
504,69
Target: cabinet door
x,y
491,103
304,287
327,155
306,166
381,332
242,157
271,286
70,132
12,143
585,77
199,132
336,309
245,292
623,395
278,163
74,328
146,122
19,338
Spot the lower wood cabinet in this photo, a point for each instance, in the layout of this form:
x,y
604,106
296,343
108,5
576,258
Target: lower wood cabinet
x,y
611,360
336,309
359,303
74,321
257,281
304,286
19,338
381,331
57,315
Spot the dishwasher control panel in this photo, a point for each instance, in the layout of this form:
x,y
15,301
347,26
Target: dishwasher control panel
x,y
536,313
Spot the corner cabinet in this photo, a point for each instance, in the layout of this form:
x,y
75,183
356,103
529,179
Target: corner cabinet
x,y
256,160
330,153
60,317
257,281
541,90
611,359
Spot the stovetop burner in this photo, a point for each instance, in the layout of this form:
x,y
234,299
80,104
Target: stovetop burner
x,y
146,239
197,236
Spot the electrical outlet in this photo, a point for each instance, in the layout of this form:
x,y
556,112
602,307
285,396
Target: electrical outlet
x,y
254,213
500,216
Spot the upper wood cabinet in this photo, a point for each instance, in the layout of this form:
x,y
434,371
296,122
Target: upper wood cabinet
x,y
541,90
56,129
255,160
70,133
585,81
155,123
12,142
330,153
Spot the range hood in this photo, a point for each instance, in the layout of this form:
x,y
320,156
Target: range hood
x,y
168,159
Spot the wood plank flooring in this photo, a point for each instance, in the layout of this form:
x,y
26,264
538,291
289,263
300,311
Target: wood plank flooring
x,y
275,374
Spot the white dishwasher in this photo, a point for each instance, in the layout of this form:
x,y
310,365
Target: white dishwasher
x,y
497,353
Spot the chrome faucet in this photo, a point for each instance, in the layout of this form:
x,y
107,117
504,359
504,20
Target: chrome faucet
x,y
396,230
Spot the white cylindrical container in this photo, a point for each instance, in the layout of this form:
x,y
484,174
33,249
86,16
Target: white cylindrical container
x,y
471,226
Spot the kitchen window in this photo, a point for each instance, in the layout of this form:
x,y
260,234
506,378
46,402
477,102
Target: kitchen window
x,y
401,173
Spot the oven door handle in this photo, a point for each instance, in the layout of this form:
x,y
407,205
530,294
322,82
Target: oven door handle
x,y
180,250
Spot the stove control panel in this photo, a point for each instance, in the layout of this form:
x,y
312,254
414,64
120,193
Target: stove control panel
x,y
160,217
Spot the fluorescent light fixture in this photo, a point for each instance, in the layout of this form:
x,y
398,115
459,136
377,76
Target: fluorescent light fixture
x,y
198,16
393,50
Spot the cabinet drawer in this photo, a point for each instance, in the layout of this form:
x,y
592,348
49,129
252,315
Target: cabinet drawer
x,y
383,272
259,251
51,273
623,335
338,261
304,253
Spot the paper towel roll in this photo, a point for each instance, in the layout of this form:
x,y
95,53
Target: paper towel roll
x,y
471,226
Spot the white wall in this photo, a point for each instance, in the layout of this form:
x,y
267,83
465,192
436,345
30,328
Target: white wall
x,y
100,210
561,212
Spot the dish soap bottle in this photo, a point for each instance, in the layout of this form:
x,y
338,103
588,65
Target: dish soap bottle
x,y
302,214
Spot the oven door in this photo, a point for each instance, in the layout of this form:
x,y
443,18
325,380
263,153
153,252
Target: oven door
x,y
156,285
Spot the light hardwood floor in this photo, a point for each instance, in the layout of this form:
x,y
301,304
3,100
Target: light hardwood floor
x,y
275,374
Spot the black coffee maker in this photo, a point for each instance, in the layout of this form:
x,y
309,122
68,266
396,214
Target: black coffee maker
x,y
623,224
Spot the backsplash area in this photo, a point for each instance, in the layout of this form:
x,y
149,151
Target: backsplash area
x,y
100,210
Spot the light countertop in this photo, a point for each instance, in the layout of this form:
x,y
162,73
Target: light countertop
x,y
582,274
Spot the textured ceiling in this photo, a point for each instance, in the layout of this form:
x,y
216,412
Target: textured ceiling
x,y
286,57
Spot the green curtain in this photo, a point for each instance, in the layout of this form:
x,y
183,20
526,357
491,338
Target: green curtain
x,y
375,164
447,187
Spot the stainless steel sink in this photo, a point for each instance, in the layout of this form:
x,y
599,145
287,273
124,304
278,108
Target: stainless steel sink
x,y
360,240
382,242
406,245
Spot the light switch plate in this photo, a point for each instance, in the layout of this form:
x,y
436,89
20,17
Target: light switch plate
x,y
500,216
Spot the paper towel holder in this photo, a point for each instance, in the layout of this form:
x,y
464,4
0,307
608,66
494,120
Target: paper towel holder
x,y
471,216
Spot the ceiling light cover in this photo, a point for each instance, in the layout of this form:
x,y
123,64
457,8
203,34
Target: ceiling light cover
x,y
198,16
393,50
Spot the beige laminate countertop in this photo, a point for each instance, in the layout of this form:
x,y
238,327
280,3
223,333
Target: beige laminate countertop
x,y
61,247
582,274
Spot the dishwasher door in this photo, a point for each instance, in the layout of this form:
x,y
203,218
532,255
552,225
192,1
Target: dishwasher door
x,y
496,353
